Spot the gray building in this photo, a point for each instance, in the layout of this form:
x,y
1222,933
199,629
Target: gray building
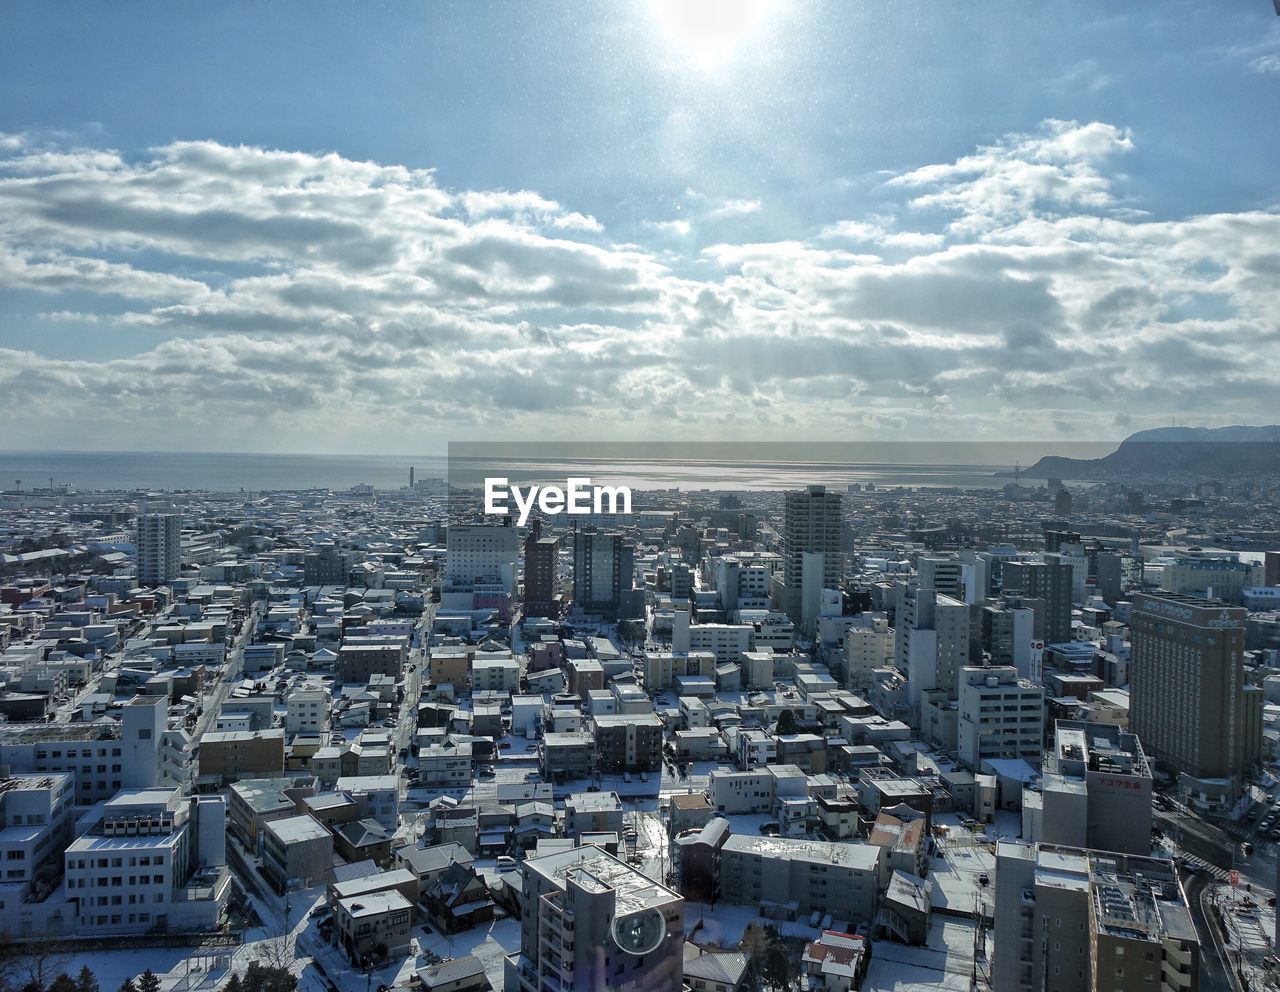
x,y
802,876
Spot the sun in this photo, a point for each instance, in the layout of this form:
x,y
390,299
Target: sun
x,y
709,30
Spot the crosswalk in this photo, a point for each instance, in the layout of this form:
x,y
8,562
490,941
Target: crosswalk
x,y
1221,874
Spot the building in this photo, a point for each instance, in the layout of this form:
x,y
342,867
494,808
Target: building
x,y
35,828
357,663
1068,919
148,860
373,927
603,572
591,921
1223,579
800,877
541,574
628,742
326,566
307,710
865,650
159,548
835,962
567,756
1187,697
1001,716
1050,581
481,554
226,756
931,644
296,850
104,756
810,526
713,970
1095,790
592,813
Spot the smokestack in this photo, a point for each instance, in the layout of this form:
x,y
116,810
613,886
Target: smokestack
x,y
410,476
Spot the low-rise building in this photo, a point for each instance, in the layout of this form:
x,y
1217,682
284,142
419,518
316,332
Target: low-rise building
x,y
296,850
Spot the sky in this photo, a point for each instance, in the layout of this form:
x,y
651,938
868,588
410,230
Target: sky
x,y
380,227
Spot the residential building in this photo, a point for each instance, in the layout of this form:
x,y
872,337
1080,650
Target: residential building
x,y
1068,919
296,850
591,921
804,876
542,596
481,554
231,755
159,537
628,742
1050,581
373,927
603,572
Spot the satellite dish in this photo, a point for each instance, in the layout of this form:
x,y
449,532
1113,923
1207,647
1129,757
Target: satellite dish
x,y
640,933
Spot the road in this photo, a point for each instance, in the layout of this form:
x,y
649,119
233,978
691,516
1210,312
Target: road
x,y
1215,975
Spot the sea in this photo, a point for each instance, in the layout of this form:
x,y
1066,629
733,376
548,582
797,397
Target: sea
x,y
232,472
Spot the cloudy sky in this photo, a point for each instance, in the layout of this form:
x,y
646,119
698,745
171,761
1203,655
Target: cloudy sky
x,y
381,227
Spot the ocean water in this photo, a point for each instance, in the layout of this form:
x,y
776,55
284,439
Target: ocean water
x,y
218,472
226,472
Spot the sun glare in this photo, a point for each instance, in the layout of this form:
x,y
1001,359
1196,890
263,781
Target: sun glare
x,y
709,30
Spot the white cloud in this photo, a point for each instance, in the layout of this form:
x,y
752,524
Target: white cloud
x,y
1266,63
290,292
736,208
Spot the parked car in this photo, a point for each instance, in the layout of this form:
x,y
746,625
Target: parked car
x,y
506,863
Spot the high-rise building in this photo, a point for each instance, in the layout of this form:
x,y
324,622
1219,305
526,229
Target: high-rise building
x,y
1073,920
159,547
1110,574
590,921
541,574
1271,568
1050,580
932,643
812,559
867,648
603,571
1188,699
944,575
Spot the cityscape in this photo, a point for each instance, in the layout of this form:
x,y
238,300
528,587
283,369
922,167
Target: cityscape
x,y
644,496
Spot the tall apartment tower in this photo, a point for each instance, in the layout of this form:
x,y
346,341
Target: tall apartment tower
x,y
603,571
159,547
1050,581
1188,699
541,574
932,643
812,556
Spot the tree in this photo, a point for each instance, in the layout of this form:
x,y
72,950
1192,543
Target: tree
x,y
63,983
234,984
786,722
128,986
263,978
148,982
777,969
86,982
755,943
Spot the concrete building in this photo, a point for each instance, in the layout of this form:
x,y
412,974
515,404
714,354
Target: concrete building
x,y
481,554
811,526
799,877
591,813
568,756
374,926
307,710
931,644
159,545
1068,919
231,755
149,859
35,828
357,663
1050,581
865,650
1001,716
542,596
296,850
1220,578
1188,702
603,572
628,742
590,921
1095,790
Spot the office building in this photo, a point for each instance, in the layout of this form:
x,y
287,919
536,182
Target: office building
x,y
1095,791
1187,696
159,548
147,860
865,650
1001,716
1068,919
591,921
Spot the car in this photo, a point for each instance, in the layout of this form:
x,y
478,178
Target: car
x,y
506,863
644,776
984,878
321,910
626,777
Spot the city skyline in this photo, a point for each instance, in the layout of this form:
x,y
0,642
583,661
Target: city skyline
x,y
319,235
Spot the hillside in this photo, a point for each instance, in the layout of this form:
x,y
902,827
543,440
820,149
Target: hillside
x,y
1185,451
